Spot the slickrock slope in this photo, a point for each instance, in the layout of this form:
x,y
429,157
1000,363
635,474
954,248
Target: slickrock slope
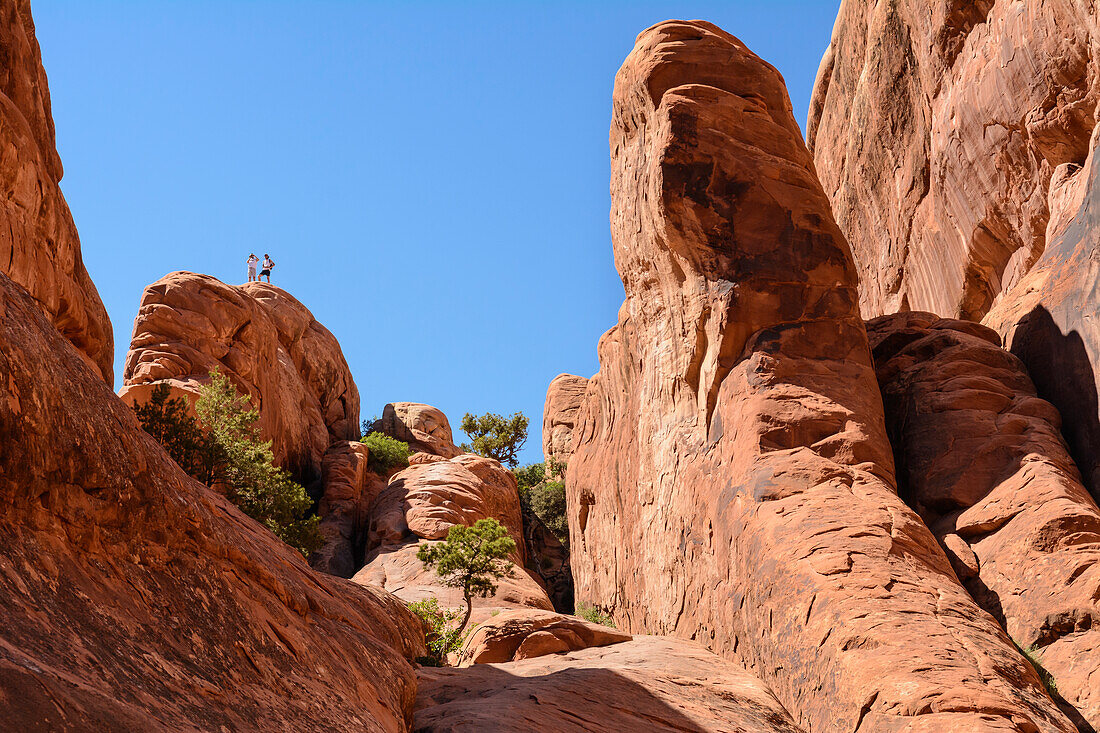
x,y
421,504
39,245
133,598
1049,319
980,458
267,342
648,684
425,428
936,127
559,417
731,479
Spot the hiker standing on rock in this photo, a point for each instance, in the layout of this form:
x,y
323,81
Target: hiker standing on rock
x,y
268,265
252,260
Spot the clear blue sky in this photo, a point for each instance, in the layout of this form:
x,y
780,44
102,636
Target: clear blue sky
x,y
432,178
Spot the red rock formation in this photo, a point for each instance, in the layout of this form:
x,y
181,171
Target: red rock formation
x,y
731,479
559,416
423,427
267,342
936,128
648,684
528,633
39,246
350,488
421,504
1048,319
980,458
133,598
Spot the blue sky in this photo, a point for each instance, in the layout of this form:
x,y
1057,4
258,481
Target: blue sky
x,y
432,178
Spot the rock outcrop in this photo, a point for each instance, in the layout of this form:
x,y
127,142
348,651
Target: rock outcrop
x,y
650,684
421,504
350,488
268,343
980,458
937,129
425,428
39,245
1048,319
731,478
134,598
559,417
526,633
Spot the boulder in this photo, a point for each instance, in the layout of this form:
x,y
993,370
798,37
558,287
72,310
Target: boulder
x,y
420,505
423,427
731,478
266,342
980,458
134,598
559,415
646,684
528,633
350,488
39,245
938,127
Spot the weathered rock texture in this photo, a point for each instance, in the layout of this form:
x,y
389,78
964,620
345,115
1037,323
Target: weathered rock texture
x,y
263,339
39,245
423,427
648,684
731,479
421,504
937,126
548,559
526,633
1049,321
350,488
133,598
559,416
980,458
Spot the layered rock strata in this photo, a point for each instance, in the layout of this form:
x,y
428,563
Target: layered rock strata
x,y
980,458
134,598
731,479
39,245
937,129
266,342
650,684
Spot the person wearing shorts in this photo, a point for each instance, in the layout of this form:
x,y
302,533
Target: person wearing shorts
x,y
268,264
252,260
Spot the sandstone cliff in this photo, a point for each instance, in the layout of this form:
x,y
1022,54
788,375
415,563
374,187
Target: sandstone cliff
x,y
937,126
39,246
731,479
133,598
268,343
559,417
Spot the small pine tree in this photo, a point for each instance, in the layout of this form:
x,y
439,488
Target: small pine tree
x,y
471,558
495,436
168,420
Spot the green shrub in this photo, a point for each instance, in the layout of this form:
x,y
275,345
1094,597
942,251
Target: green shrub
x,y
594,615
546,501
1032,656
495,436
471,558
386,453
529,476
443,636
223,449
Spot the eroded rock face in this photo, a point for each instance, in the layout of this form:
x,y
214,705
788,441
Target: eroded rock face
x,y
559,416
1048,320
350,488
39,245
263,339
731,479
937,128
528,633
421,504
134,598
980,458
423,427
649,683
